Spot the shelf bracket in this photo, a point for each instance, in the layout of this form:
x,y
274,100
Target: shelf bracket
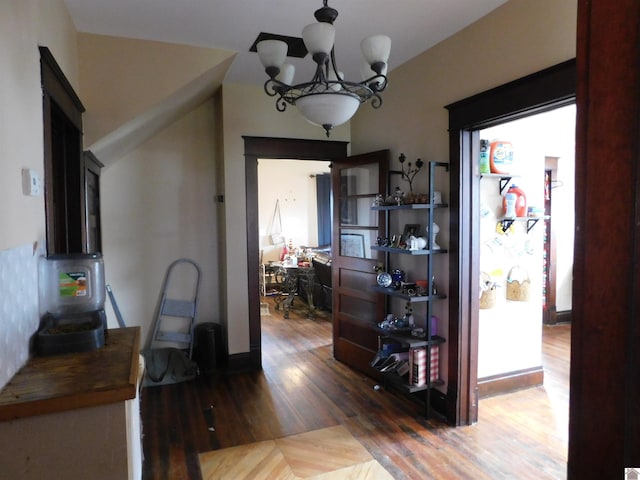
x,y
506,223
504,181
531,222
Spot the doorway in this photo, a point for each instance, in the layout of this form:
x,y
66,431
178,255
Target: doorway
x,y
289,207
517,260
274,148
536,93
292,209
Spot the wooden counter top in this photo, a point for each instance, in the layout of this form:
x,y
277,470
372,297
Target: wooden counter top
x,y
59,383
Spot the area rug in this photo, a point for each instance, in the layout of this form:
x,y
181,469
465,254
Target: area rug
x,y
327,454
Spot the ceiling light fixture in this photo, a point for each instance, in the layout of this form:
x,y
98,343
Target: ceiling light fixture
x,y
327,100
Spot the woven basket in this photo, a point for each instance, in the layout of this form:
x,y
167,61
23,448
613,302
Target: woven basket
x,y
487,291
518,290
488,298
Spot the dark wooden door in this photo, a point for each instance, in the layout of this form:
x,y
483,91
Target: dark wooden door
x,y
356,307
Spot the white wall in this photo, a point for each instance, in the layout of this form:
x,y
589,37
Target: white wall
x,y
293,184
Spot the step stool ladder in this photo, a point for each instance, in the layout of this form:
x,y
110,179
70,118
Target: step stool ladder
x,y
182,311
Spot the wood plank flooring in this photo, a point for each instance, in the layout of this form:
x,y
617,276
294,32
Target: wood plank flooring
x,y
302,388
329,453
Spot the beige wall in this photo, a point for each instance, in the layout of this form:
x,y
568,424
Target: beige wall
x,y
519,38
158,206
248,111
82,443
24,25
122,78
157,198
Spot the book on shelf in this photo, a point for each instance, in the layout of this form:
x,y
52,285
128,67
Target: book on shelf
x,y
418,366
391,362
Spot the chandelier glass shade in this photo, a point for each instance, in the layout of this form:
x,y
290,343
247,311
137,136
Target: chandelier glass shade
x,y
327,100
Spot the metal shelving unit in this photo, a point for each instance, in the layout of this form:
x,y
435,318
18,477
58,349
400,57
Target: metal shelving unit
x,y
406,340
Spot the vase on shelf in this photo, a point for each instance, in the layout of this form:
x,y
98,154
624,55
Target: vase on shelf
x,y
434,232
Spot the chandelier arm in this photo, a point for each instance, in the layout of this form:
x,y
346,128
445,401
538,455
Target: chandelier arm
x,y
376,101
381,86
281,104
334,66
273,87
377,83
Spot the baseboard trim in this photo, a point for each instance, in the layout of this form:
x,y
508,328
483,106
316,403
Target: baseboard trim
x,y
240,363
510,381
553,317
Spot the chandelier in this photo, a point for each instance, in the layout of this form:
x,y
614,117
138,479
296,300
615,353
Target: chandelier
x,y
328,99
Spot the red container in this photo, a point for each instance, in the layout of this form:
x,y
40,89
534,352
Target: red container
x,y
501,157
521,201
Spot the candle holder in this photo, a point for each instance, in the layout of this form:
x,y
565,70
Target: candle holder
x,y
411,170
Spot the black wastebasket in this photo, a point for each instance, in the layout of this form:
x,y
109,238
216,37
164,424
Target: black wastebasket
x,y
208,350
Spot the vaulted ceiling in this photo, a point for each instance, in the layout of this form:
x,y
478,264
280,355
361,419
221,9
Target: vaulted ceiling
x,y
413,25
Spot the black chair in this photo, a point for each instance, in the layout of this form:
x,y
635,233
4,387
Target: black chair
x,y
322,266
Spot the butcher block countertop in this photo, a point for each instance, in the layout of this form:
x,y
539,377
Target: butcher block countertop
x,y
59,383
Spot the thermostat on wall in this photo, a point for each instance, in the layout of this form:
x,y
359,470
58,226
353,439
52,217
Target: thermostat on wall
x,y
31,184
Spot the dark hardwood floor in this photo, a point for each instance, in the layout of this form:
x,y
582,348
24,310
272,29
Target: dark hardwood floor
x,y
302,388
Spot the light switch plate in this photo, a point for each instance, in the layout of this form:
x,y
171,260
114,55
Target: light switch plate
x,y
31,184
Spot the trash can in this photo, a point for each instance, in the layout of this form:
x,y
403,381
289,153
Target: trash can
x,y
208,350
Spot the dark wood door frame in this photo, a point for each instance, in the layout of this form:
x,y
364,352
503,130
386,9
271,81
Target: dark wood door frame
x,y
93,218
549,310
536,93
266,147
604,405
63,166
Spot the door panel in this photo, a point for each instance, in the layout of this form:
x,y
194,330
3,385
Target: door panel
x,y
356,308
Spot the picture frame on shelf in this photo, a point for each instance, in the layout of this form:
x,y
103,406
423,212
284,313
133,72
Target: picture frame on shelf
x,y
411,229
352,245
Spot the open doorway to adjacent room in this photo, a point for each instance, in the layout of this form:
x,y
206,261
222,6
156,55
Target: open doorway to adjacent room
x,y
294,213
526,257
